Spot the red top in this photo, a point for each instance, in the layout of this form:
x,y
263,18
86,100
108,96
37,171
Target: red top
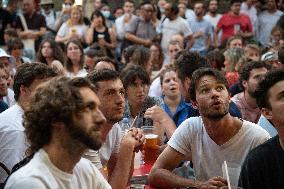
x,y
229,23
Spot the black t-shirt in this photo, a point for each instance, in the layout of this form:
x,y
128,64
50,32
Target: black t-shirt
x,y
5,19
264,167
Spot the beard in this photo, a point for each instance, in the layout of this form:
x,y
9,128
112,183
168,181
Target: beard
x,y
90,138
215,114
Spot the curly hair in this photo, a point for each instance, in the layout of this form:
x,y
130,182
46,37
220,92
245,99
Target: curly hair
x,y
68,63
187,62
102,75
57,52
27,73
248,67
54,101
262,92
198,74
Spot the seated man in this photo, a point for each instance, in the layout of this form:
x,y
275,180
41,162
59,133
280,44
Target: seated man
x,y
208,140
116,154
62,122
12,137
264,165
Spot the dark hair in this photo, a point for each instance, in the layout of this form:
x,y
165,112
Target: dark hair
x,y
133,72
68,63
281,55
129,1
270,79
57,52
187,63
27,73
128,52
248,67
11,32
14,44
54,101
106,59
145,2
158,65
174,8
216,59
198,74
102,75
98,13
235,1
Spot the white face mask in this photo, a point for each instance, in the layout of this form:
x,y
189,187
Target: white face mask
x,y
106,13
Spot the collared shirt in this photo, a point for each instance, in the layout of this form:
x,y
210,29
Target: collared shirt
x,y
181,113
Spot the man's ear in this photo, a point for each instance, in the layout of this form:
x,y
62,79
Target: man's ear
x,y
244,84
267,113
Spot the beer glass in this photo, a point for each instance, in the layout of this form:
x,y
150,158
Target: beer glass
x,y
151,145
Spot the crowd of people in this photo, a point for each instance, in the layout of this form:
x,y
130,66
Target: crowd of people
x,y
210,84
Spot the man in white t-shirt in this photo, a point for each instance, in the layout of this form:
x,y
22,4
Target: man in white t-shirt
x,y
12,137
62,122
208,140
116,154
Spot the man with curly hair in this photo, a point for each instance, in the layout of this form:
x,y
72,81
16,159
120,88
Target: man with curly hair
x,y
62,122
12,137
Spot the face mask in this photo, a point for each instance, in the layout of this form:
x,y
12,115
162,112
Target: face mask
x,y
106,13
162,10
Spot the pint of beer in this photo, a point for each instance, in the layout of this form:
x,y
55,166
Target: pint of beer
x,y
151,145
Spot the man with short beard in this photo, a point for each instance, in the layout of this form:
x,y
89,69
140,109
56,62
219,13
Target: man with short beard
x,y
250,75
116,153
63,121
208,140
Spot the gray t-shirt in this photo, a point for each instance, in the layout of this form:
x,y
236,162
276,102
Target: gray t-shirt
x,y
192,140
142,29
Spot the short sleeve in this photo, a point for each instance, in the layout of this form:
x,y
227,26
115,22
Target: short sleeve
x,y
181,139
62,30
131,27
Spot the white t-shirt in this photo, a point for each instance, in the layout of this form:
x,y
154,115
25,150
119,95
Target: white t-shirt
x,y
172,27
120,26
192,140
12,138
9,99
109,147
81,73
64,30
155,89
40,173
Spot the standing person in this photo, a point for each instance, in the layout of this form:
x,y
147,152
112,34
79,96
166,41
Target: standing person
x,y
73,28
68,110
35,22
265,163
267,19
214,134
116,153
122,23
212,15
6,22
202,30
248,8
51,54
141,30
12,136
171,25
250,75
74,64
233,23
99,33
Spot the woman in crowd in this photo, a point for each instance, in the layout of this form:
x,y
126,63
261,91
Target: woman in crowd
x,y
75,59
232,57
141,56
156,58
136,82
174,103
51,54
15,49
99,33
73,28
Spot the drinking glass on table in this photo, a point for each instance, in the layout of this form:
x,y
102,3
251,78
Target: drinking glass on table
x,y
151,145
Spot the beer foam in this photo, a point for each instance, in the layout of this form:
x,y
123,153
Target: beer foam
x,y
151,136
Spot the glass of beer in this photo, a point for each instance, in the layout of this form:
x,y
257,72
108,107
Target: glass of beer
x,y
151,145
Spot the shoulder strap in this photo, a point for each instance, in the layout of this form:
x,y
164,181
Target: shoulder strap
x,y
24,22
137,24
